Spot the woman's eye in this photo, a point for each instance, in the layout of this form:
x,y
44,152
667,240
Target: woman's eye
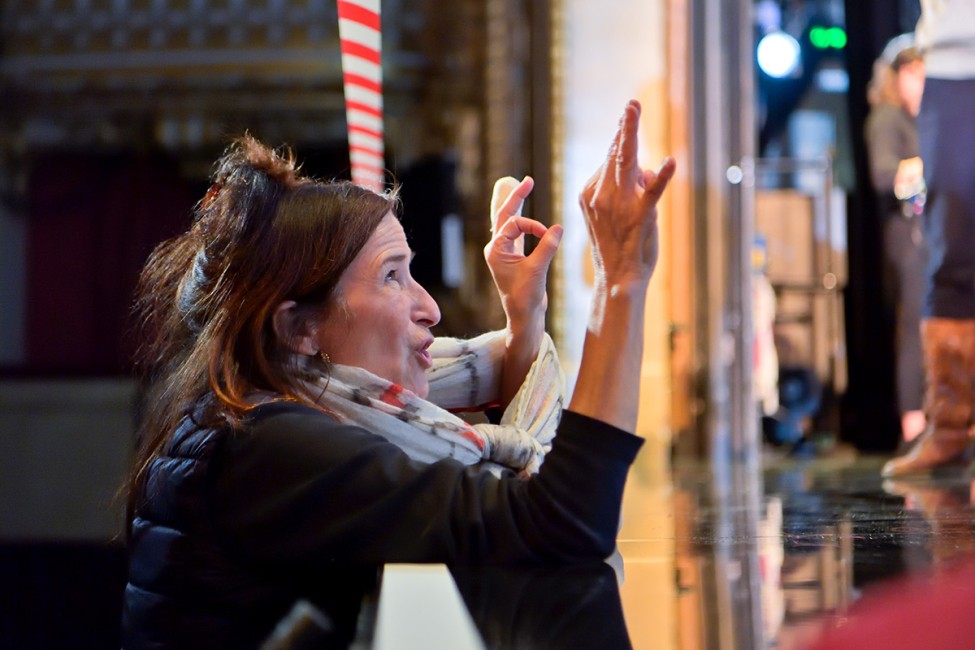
x,y
392,275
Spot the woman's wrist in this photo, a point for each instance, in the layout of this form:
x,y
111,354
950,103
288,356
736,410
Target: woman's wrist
x,y
619,297
523,339
525,324
607,386
524,318
624,280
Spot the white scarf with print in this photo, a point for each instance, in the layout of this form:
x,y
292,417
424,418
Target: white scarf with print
x,y
465,376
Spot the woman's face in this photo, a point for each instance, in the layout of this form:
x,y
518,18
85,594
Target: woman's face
x,y
910,85
380,318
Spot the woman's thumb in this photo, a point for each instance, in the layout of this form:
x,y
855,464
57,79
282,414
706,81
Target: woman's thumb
x,y
548,246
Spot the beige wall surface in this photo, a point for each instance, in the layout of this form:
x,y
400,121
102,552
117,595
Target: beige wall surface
x,y
612,53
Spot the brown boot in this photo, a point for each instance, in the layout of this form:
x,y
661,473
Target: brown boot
x,y
949,365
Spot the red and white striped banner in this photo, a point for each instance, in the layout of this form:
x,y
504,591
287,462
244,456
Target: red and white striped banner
x,y
361,36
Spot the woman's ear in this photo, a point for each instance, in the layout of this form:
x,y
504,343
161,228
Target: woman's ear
x,y
297,333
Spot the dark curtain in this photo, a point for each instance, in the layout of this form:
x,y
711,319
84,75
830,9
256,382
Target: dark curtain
x,y
870,414
93,219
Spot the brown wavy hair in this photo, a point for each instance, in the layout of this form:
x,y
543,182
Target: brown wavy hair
x,y
261,235
882,88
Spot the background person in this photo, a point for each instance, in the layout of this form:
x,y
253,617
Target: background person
x,y
897,174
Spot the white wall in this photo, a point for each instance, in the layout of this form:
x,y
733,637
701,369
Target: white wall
x,y
613,52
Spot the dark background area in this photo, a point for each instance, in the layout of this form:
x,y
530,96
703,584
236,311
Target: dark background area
x,y
868,413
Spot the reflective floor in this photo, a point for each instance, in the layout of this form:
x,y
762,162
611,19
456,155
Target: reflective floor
x,y
725,558
715,558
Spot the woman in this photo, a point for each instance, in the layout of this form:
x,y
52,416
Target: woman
x,y
896,171
288,444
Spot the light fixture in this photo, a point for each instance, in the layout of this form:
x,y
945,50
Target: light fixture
x,y
779,54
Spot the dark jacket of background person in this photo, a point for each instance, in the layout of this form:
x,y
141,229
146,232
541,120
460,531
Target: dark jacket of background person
x,y
892,137
243,523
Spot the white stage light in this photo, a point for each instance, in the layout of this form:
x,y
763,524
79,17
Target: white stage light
x,y
778,54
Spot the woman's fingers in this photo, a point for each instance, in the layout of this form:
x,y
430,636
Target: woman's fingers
x,y
605,177
503,187
513,229
619,204
547,247
656,183
625,166
521,279
620,172
507,200
505,249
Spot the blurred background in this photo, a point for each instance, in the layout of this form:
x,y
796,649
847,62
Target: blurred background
x,y
112,111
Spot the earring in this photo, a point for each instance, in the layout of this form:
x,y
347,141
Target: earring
x,y
323,355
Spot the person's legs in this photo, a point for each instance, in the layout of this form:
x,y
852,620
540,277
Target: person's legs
x,y
905,250
948,345
946,132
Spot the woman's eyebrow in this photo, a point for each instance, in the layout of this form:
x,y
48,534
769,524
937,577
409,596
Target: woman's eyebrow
x,y
399,257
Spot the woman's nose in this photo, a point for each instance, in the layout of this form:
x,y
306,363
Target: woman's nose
x,y
427,311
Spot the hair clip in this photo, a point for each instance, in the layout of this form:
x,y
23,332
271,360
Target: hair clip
x,y
211,195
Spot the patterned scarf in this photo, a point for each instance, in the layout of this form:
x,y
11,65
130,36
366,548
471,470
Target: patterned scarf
x,y
466,376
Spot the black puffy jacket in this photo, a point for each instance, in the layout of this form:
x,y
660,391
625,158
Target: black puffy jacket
x,y
235,525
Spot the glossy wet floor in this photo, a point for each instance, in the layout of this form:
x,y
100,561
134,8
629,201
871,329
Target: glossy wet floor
x,y
717,556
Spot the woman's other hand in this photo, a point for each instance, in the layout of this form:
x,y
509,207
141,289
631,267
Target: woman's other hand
x,y
620,206
520,278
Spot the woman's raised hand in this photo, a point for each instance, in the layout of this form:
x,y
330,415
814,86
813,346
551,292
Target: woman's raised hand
x,y
620,206
520,278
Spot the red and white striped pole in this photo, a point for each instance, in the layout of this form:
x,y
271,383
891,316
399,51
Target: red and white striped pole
x,y
361,36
